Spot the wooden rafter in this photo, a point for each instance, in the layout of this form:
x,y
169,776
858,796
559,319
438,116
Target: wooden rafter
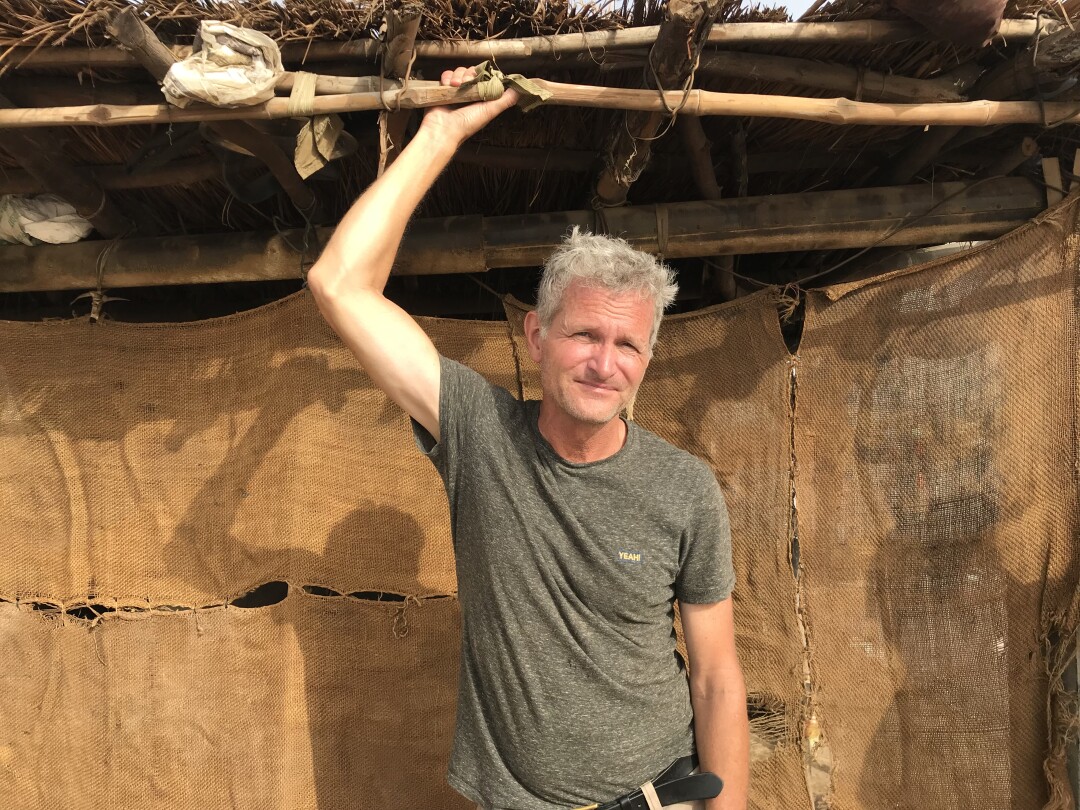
x,y
1055,52
177,173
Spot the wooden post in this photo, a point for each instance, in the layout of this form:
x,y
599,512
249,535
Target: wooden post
x,y
671,62
717,275
126,27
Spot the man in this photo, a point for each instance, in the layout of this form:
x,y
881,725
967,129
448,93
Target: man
x,y
573,528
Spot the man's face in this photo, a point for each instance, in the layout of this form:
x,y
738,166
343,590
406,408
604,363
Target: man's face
x,y
595,352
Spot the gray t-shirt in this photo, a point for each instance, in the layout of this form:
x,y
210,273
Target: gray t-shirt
x,y
570,690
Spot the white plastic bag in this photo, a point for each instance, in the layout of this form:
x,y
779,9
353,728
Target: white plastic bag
x,y
44,218
230,67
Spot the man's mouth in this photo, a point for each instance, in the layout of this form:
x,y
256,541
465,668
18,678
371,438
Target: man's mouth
x,y
595,386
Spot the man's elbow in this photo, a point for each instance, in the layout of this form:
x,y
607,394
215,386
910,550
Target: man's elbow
x,y
319,280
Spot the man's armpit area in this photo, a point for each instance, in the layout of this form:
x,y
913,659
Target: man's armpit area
x,y
425,442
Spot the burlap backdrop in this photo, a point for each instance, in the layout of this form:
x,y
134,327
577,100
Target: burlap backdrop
x,y
154,466
309,703
719,386
935,451
184,464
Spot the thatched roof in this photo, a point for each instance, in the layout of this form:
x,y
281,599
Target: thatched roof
x,y
545,161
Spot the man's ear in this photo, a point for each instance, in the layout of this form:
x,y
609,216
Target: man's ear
x,y
532,335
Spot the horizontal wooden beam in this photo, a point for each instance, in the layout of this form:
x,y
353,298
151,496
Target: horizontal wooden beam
x,y
851,82
908,215
856,32
840,111
111,177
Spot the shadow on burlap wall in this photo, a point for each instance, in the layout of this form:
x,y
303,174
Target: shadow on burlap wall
x,y
179,466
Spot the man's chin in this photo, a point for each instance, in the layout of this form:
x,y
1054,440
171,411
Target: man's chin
x,y
594,415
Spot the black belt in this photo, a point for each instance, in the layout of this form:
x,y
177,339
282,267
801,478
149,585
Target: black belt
x,y
676,783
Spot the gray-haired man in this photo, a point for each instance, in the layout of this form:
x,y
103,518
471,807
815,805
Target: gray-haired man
x,y
574,529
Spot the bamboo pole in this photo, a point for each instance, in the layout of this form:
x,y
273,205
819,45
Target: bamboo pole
x,y
908,215
697,102
854,32
849,81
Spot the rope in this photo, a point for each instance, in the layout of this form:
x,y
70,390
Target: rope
x,y
302,96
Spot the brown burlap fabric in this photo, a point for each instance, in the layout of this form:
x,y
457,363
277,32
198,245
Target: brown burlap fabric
x,y
935,442
309,703
185,464
150,466
719,387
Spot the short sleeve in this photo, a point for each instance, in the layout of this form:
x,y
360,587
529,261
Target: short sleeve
x,y
465,399
705,570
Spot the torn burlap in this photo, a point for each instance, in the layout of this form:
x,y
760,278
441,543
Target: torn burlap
x,y
719,387
935,444
187,463
309,703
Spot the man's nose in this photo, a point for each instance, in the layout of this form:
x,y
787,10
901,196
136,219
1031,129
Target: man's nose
x,y
603,360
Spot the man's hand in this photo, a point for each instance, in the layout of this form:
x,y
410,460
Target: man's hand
x,y
455,125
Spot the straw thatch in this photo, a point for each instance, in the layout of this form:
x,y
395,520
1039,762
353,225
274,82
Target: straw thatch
x,y
545,161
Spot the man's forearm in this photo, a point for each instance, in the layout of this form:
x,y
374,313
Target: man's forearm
x,y
722,735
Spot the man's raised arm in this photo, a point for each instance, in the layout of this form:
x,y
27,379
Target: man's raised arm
x,y
348,279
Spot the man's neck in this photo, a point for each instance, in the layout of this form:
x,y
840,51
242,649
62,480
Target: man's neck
x,y
579,442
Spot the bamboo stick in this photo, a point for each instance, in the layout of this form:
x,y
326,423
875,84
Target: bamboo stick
x,y
851,82
698,102
855,32
813,221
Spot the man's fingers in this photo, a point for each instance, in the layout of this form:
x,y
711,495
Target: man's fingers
x,y
457,77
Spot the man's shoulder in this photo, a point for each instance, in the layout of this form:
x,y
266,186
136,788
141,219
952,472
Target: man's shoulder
x,y
460,377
